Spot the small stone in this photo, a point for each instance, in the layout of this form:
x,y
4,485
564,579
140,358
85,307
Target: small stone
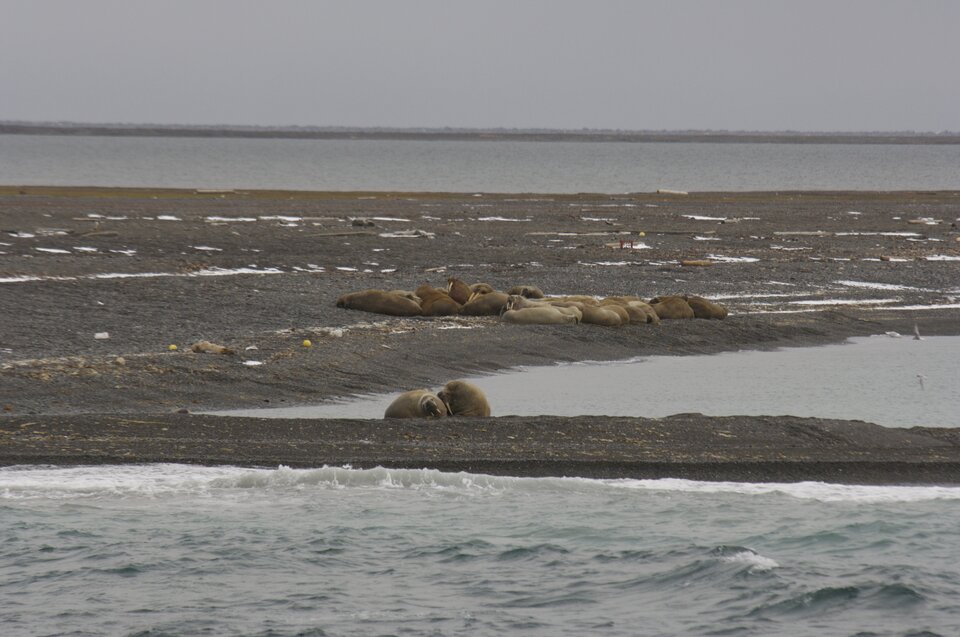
x,y
101,336
119,360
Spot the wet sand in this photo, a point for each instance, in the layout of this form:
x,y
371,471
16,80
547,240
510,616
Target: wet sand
x,y
155,268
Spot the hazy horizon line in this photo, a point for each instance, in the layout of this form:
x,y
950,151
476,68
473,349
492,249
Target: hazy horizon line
x,y
66,124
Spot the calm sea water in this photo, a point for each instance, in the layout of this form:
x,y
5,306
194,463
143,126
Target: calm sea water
x,y
877,379
178,550
458,166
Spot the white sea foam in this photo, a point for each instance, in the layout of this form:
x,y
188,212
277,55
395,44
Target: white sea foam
x,y
156,480
820,491
755,561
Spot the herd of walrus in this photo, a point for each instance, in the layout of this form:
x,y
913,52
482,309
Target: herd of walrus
x,y
522,304
527,304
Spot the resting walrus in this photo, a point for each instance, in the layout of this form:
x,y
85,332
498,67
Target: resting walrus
x,y
527,291
458,290
464,399
490,304
672,307
418,403
704,309
434,302
380,302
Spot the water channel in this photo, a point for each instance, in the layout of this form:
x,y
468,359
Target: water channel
x,y
894,381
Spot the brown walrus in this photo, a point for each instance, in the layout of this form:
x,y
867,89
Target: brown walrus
x,y
464,399
704,309
490,304
527,291
482,288
434,302
671,307
458,290
418,403
380,302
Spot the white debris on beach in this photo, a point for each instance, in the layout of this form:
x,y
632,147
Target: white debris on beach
x,y
719,258
703,218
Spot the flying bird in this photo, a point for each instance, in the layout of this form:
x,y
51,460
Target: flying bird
x,y
916,332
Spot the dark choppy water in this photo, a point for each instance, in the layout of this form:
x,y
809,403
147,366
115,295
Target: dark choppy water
x,y
179,550
462,166
877,379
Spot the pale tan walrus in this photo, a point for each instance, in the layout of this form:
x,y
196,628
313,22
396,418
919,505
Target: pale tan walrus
x,y
704,309
418,403
517,302
380,302
464,399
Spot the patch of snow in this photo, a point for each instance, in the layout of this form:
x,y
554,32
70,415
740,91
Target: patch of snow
x,y
719,258
702,218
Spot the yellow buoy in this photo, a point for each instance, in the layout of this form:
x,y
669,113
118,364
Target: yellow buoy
x,y
307,343
642,234
172,347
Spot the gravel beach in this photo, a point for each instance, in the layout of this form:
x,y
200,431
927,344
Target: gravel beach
x,y
96,285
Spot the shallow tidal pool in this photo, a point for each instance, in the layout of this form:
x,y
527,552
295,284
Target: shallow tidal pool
x,y
894,381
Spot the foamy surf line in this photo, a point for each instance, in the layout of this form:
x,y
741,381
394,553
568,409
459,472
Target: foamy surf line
x,y
30,482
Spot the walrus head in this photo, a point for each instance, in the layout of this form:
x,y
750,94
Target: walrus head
x,y
433,407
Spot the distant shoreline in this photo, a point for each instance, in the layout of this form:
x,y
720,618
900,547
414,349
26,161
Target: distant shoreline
x,y
478,135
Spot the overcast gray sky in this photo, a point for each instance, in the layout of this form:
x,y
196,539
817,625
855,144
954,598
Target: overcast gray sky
x,y
853,65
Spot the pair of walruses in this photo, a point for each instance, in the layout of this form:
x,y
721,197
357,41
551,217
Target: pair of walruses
x,y
687,307
457,398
